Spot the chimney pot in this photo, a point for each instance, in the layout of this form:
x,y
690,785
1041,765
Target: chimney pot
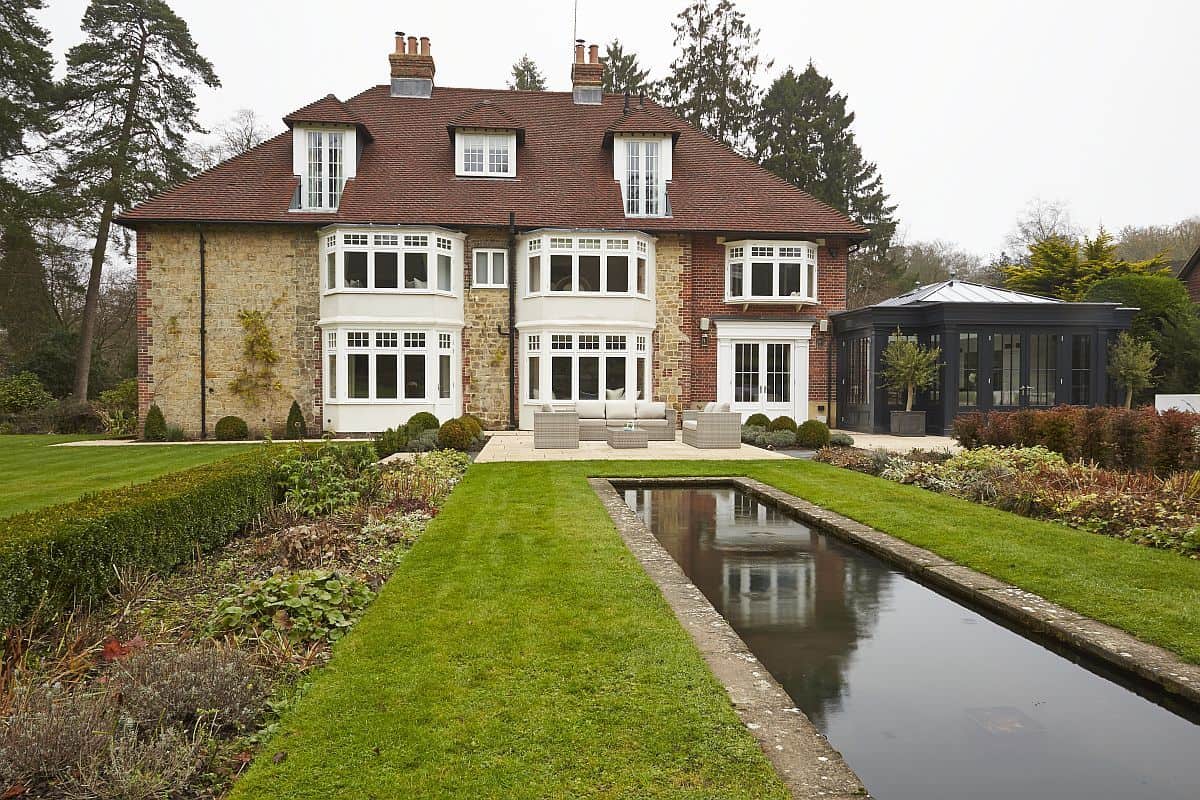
x,y
412,46
579,51
411,61
594,54
424,45
399,41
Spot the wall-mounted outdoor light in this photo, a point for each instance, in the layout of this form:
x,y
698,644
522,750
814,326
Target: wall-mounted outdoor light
x,y
705,324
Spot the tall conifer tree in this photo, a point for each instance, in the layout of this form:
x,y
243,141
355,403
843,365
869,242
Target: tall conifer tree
x,y
131,88
712,80
622,73
526,76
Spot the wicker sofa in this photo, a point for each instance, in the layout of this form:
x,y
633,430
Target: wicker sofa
x,y
713,427
597,416
557,430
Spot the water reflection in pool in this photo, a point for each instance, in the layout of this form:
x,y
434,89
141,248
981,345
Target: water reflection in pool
x,y
925,698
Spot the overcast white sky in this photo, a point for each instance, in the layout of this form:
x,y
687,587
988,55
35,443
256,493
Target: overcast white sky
x,y
971,109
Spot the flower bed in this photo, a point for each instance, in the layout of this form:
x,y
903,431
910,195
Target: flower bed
x,y
167,690
1140,507
1140,439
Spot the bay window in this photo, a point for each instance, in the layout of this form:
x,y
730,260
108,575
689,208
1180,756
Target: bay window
x,y
767,272
389,365
392,262
587,366
593,264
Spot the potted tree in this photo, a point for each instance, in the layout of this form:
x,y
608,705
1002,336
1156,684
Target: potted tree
x,y
910,366
1131,363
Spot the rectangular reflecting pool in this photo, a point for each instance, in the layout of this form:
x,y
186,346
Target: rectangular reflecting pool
x,y
926,698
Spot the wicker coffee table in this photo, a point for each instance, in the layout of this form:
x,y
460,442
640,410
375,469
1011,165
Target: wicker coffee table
x,y
621,439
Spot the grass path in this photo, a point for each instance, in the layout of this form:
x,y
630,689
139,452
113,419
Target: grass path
x,y
33,474
519,650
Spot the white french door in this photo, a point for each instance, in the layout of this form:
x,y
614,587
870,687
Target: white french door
x,y
764,378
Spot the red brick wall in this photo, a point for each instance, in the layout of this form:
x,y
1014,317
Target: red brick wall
x,y
1192,282
705,298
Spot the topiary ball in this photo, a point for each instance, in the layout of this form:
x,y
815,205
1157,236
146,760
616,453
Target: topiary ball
x,y
812,434
472,425
782,424
422,421
455,435
840,439
780,440
295,427
231,429
758,421
155,429
478,422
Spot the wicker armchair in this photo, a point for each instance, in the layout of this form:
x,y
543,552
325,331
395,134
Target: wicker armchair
x,y
557,430
712,429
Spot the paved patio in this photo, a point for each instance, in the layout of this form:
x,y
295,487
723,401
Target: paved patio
x,y
518,446
902,444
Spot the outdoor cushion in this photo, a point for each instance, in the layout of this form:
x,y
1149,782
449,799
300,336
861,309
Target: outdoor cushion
x,y
652,423
690,424
619,409
722,407
614,394
648,409
710,406
590,409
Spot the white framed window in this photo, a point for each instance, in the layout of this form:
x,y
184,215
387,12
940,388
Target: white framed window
x,y
490,268
324,174
771,272
643,170
389,366
485,154
391,262
588,265
576,368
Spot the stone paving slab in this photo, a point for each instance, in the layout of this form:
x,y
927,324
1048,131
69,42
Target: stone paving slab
x,y
518,446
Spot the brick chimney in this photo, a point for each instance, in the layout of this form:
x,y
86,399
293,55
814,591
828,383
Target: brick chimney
x,y
587,76
412,67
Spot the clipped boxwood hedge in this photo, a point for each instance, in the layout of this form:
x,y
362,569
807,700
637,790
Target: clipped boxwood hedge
x,y
60,554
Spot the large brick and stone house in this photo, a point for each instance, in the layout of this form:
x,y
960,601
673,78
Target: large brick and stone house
x,y
424,248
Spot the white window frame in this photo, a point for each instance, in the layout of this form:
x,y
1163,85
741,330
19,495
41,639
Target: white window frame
x,y
745,253
391,340
632,245
323,167
535,348
436,244
493,145
642,165
489,281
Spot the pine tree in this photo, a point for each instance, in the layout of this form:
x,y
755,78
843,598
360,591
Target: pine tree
x,y
622,73
711,84
1066,268
131,89
26,83
526,77
805,135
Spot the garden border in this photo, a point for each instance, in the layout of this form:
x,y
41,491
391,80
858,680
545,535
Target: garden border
x,y
1109,645
808,765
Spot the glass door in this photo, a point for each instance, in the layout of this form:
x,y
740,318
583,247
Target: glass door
x,y
1008,365
762,378
1041,385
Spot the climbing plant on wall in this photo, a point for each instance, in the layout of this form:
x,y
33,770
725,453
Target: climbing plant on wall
x,y
256,376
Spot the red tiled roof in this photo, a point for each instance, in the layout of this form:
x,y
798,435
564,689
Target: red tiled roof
x,y
648,119
564,175
328,109
485,114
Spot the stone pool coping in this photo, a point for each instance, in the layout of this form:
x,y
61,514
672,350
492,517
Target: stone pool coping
x,y
1099,641
809,766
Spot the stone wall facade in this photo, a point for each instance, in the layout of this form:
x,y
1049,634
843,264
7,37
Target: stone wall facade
x,y
671,353
485,338
272,269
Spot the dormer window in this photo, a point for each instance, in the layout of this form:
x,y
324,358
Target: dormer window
x,y
485,154
643,167
325,175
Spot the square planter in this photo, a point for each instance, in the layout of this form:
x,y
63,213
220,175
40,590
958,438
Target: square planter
x,y
908,423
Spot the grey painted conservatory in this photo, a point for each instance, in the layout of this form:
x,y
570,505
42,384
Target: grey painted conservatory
x,y
1000,350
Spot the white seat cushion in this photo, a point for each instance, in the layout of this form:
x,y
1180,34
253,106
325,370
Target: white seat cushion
x,y
710,406
648,409
614,394
590,409
619,409
690,424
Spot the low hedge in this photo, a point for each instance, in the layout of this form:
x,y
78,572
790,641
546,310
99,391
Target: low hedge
x,y
54,556
1132,440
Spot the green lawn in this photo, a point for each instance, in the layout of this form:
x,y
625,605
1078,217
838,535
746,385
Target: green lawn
x,y
33,474
520,651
